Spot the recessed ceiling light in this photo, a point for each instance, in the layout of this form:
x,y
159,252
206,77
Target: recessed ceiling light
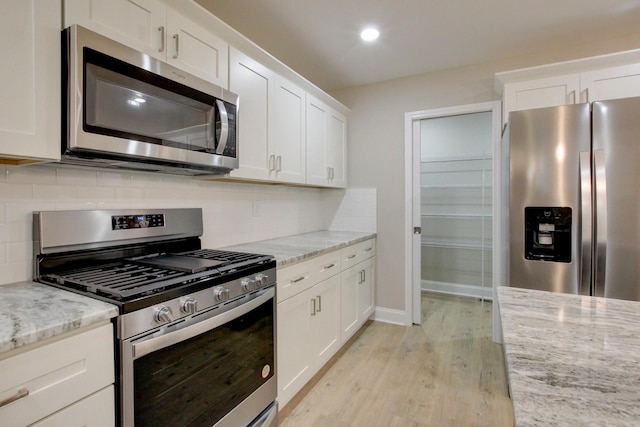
x,y
369,34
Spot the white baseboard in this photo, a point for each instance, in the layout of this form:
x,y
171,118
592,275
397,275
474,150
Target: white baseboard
x,y
388,315
457,289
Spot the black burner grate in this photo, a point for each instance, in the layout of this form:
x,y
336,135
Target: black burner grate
x,y
133,278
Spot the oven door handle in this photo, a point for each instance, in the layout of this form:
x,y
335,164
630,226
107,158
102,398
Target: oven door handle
x,y
150,345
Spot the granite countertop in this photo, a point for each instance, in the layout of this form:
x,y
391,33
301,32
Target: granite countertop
x,y
31,312
572,360
296,248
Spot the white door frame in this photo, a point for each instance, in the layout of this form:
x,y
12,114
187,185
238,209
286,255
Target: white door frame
x,y
412,198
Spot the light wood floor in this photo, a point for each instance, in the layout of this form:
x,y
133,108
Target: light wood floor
x,y
445,372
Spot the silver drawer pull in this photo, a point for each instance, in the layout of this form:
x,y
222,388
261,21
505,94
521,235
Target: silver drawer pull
x,y
329,266
352,256
299,279
368,249
23,392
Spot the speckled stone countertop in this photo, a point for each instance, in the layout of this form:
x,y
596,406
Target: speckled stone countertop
x,y
572,360
31,312
296,248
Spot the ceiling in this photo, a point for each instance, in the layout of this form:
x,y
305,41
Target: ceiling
x,y
320,39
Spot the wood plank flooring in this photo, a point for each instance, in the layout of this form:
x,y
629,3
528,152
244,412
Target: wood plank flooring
x,y
445,372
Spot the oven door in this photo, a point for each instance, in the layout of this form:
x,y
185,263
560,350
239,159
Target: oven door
x,y
214,368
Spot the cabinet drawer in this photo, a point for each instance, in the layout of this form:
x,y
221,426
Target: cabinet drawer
x,y
97,410
299,277
351,255
55,375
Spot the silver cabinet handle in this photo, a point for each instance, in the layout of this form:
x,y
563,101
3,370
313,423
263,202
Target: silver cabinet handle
x,y
328,173
352,256
23,392
369,249
162,39
299,279
333,175
278,163
326,267
313,306
319,298
272,163
177,40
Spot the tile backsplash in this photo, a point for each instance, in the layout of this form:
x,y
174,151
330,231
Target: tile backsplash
x,y
233,213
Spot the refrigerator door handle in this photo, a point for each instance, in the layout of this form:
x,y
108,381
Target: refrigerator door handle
x,y
584,280
600,232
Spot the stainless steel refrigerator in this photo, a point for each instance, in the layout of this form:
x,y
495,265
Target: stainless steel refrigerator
x,y
574,198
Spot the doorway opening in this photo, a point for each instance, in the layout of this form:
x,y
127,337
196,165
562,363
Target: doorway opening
x,y
451,178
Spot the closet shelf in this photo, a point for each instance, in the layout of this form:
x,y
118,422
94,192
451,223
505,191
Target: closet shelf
x,y
451,244
455,215
455,186
465,158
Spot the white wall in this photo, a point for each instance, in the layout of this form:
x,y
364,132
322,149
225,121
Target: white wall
x,y
233,213
376,139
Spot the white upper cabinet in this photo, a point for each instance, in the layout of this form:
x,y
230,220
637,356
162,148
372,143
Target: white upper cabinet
x,y
547,92
610,83
326,145
195,50
586,80
30,80
287,140
252,82
138,24
271,117
152,28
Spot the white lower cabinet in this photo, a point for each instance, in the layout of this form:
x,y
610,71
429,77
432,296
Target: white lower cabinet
x,y
68,382
316,299
308,335
356,297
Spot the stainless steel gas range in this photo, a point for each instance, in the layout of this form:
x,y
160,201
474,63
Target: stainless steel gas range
x,y
196,330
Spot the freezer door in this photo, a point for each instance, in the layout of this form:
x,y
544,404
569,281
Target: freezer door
x,y
616,164
550,175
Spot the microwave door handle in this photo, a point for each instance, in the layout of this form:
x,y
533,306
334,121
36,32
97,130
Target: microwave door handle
x,y
144,347
224,127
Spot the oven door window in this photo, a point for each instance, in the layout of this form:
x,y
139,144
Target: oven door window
x,y
125,101
198,381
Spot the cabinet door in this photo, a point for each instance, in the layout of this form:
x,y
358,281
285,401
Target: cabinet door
x,y
251,81
366,290
30,80
287,140
349,301
336,148
610,83
97,410
139,24
193,49
294,345
317,168
547,92
326,320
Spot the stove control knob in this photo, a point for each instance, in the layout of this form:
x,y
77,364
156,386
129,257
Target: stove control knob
x,y
261,279
220,293
163,315
189,305
248,285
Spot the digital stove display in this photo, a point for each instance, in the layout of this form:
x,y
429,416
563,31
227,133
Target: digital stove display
x,y
126,222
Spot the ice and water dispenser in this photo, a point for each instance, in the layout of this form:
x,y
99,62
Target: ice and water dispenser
x,y
547,233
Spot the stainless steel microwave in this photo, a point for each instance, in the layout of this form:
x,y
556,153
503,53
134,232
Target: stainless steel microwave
x,y
125,109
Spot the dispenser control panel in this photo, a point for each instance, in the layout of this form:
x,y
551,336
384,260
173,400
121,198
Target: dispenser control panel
x,y
547,233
